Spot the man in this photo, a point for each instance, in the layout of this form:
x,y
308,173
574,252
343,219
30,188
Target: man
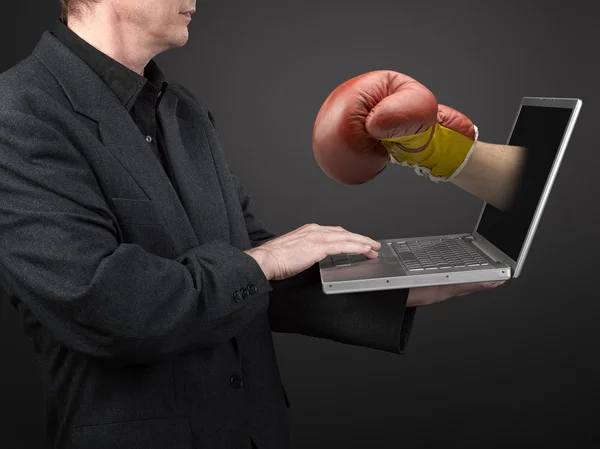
x,y
147,285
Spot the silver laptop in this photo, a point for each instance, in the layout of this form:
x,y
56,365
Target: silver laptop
x,y
497,248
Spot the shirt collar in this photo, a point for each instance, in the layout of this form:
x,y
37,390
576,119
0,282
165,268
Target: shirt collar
x,y
124,82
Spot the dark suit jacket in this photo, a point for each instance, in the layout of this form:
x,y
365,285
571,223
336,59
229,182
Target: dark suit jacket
x,y
151,325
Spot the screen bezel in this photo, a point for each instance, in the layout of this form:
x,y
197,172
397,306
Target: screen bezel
x,y
568,103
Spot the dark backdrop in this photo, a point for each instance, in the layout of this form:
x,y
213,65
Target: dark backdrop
x,y
511,367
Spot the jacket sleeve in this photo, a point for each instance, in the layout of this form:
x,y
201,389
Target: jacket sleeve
x,y
378,320
60,259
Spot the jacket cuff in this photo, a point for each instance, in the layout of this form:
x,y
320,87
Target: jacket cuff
x,y
377,320
233,276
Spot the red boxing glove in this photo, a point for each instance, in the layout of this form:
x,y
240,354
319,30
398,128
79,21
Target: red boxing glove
x,y
385,116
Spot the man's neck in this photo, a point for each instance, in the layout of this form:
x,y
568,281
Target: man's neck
x,y
112,37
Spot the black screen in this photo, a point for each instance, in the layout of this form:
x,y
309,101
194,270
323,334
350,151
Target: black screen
x,y
540,130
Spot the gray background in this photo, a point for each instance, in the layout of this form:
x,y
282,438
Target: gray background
x,y
511,367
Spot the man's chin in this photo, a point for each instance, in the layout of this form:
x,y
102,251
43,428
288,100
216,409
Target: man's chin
x,y
180,40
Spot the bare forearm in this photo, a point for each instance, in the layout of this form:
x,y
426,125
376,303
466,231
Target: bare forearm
x,y
492,173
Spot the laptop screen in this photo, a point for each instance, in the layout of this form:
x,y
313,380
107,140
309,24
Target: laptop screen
x,y
540,129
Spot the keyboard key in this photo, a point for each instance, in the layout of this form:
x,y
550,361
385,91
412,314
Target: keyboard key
x,y
406,256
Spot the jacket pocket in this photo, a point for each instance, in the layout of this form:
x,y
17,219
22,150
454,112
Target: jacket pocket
x,y
137,211
158,433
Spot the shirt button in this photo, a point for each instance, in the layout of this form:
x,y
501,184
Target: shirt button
x,y
237,296
149,139
236,381
244,292
252,288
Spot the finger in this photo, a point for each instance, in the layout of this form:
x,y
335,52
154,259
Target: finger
x,y
472,287
334,228
350,236
349,247
466,289
297,234
318,227
309,226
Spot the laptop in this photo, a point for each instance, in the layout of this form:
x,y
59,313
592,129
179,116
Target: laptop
x,y
497,248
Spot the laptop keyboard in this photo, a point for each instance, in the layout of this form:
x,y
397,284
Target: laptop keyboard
x,y
440,254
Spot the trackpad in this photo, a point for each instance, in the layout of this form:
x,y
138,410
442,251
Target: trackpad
x,y
361,258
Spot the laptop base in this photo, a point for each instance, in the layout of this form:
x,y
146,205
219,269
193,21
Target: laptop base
x,y
388,272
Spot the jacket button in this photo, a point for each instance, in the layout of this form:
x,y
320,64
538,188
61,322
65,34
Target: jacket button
x,y
244,292
252,288
236,381
237,296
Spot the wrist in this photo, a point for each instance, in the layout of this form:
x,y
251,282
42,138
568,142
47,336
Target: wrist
x,y
441,158
410,300
262,258
425,296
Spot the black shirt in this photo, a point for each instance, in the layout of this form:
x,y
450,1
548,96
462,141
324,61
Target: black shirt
x,y
140,95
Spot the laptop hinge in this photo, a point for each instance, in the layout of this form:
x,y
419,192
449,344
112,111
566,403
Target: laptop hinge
x,y
484,250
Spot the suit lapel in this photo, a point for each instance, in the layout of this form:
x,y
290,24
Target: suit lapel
x,y
194,205
194,172
123,139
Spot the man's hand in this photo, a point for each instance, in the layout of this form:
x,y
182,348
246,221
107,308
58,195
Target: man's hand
x,y
296,251
425,296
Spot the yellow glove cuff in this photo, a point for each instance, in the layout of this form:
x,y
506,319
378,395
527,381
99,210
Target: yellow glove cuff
x,y
439,151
